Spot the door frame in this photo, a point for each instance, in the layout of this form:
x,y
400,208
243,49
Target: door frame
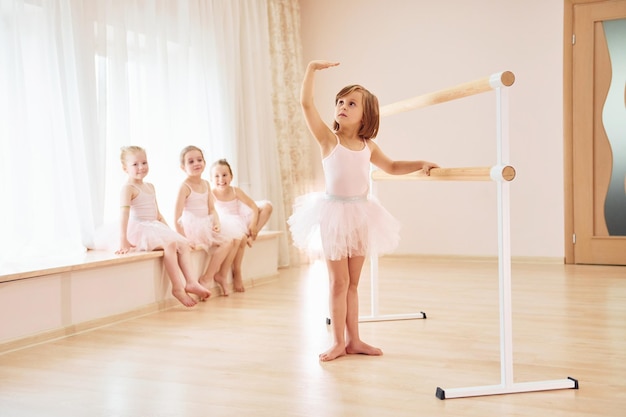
x,y
568,163
568,120
568,137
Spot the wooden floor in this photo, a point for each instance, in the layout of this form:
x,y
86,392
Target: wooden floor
x,y
255,354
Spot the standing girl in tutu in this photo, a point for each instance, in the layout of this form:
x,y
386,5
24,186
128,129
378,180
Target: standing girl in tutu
x,y
196,218
236,206
349,222
143,228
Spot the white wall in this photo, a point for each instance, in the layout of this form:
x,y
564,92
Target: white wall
x,y
403,48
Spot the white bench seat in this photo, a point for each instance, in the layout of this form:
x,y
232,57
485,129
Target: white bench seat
x,y
50,298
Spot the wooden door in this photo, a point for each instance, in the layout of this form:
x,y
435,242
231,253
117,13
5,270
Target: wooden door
x,y
599,132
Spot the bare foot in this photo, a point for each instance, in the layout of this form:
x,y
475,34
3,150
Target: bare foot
x,y
183,297
205,281
199,290
238,283
333,353
362,348
221,281
205,284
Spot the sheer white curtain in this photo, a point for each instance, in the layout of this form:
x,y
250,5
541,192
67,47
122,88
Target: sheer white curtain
x,y
161,88
84,78
250,109
43,164
294,142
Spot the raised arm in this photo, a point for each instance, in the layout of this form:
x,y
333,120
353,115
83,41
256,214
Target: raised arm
x,y
322,133
383,162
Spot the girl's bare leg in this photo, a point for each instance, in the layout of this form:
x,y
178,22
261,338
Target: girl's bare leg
x,y
237,277
354,344
338,274
222,274
170,260
217,257
191,284
265,211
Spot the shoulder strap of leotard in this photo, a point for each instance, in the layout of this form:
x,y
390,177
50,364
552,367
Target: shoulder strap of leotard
x,y
135,187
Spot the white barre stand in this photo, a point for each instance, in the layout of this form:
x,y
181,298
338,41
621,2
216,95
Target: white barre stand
x,y
498,173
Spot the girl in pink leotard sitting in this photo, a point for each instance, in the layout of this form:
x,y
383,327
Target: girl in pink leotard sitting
x,y
143,228
197,219
248,217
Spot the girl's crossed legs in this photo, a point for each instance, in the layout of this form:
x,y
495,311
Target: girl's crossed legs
x,y
178,260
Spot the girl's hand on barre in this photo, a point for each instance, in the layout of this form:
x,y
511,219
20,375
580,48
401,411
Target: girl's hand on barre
x,y
428,166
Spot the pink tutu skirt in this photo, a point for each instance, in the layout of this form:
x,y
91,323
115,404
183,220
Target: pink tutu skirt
x,y
199,229
342,227
149,235
145,235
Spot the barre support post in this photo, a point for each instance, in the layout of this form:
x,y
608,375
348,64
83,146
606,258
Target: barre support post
x,y
501,174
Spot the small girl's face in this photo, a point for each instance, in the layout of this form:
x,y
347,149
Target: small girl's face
x,y
349,109
221,176
194,163
136,165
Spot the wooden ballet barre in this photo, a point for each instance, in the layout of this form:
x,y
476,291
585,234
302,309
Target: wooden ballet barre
x,y
502,79
495,173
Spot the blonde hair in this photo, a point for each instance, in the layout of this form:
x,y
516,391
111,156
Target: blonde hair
x,y
371,116
126,150
187,149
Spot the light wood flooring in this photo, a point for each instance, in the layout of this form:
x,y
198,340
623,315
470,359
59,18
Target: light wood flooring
x,y
255,354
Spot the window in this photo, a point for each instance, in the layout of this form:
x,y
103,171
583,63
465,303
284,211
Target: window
x,y
81,79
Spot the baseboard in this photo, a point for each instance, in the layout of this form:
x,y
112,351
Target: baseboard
x,y
47,336
74,329
470,258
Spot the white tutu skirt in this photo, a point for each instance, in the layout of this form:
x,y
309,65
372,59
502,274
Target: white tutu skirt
x,y
199,230
233,226
337,228
149,235
145,235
